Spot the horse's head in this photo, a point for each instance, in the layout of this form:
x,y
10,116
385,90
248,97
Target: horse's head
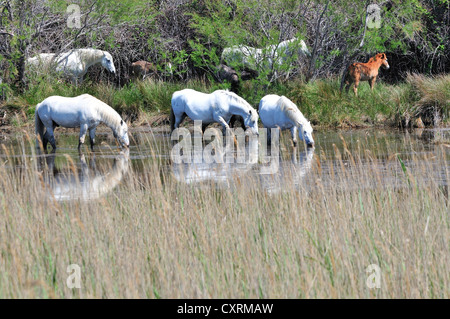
x,y
107,62
305,134
251,121
122,134
383,58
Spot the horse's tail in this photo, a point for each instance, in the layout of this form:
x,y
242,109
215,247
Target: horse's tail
x,y
172,119
344,78
346,74
39,126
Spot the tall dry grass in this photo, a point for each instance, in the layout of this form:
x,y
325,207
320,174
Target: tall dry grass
x,y
433,92
156,237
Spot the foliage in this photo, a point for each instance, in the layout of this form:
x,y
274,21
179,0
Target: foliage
x,y
185,40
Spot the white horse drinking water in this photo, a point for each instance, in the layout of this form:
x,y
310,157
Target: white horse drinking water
x,y
217,106
280,112
73,63
84,111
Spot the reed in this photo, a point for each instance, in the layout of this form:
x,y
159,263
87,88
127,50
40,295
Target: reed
x,y
156,237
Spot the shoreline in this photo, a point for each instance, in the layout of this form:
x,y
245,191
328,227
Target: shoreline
x,y
418,102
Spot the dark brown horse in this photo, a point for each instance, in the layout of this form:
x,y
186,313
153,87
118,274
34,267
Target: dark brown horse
x,y
143,69
225,73
358,71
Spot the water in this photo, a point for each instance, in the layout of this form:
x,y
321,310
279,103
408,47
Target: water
x,y
339,157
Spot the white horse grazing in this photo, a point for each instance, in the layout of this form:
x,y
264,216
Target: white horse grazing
x,y
276,111
218,107
246,57
42,61
243,56
73,63
84,111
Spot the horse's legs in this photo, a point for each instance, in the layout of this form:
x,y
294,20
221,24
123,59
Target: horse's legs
x,y
355,86
224,124
269,136
234,119
92,137
372,82
179,119
83,131
347,86
294,135
45,138
49,136
347,83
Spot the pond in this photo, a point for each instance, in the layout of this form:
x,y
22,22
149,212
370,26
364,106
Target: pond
x,y
338,158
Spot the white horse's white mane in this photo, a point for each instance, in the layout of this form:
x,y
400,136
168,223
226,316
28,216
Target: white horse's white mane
x,y
292,112
74,62
107,114
234,97
87,54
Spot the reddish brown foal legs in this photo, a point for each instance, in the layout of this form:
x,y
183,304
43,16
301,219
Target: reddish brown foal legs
x,y
372,83
355,89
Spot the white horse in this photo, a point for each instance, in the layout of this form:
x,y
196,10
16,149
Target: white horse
x,y
73,63
218,107
243,56
273,56
84,111
276,111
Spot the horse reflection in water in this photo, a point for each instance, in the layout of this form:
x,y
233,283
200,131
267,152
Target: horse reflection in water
x,y
84,183
219,171
271,177
292,173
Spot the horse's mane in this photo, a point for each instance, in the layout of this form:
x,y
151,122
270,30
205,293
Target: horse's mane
x,y
108,115
292,112
374,58
86,54
287,42
234,97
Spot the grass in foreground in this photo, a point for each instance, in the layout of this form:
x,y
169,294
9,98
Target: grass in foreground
x,y
155,237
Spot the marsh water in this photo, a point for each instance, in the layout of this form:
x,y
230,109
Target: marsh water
x,y
338,157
